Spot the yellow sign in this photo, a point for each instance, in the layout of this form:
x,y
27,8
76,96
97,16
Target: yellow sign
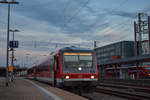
x,y
12,57
82,54
11,68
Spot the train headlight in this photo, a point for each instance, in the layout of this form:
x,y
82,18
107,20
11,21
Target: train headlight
x,y
80,68
92,77
67,77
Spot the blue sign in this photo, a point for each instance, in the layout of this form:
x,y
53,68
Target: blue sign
x,y
17,66
14,44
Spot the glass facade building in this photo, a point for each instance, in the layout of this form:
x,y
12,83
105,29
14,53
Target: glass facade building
x,y
123,49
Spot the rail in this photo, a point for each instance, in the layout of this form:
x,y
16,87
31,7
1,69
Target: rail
x,y
123,94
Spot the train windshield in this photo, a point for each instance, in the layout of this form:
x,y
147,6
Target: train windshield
x,y
78,60
148,69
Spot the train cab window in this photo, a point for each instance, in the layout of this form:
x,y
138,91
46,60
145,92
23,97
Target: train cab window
x,y
86,60
78,60
70,61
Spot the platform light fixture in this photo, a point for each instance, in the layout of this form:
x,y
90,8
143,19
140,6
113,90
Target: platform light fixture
x,y
13,31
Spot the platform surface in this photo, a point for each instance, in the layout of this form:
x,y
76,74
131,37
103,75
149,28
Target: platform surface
x,y
25,89
20,90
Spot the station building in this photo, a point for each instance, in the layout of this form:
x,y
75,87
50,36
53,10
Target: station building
x,y
115,51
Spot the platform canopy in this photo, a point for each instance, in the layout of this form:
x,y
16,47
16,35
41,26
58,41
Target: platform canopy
x,y
129,60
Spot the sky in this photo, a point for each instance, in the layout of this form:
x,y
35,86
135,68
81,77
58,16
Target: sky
x,y
48,25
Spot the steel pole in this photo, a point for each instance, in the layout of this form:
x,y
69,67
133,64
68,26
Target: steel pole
x,y
140,34
13,53
12,59
149,32
95,45
135,39
7,55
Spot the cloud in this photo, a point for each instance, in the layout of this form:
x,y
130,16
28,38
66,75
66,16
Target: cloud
x,y
41,24
50,11
33,27
120,13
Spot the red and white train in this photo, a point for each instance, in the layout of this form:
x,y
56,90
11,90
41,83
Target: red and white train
x,y
68,67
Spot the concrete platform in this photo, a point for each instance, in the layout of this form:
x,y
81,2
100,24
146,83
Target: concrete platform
x,y
65,95
22,89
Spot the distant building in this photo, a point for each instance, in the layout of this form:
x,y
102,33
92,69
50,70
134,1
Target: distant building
x,y
114,51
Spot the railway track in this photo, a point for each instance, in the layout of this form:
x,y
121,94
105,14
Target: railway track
x,y
119,93
135,90
110,90
127,86
124,90
123,94
131,82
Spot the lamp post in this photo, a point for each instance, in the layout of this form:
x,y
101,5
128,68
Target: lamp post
x,y
7,58
15,30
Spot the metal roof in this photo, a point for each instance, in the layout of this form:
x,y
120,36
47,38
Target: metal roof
x,y
129,60
108,45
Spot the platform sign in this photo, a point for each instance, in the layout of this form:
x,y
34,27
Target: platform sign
x,y
17,66
14,44
11,68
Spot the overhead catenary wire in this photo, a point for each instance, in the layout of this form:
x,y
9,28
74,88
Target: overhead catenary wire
x,y
122,23
117,25
75,14
130,19
121,4
65,9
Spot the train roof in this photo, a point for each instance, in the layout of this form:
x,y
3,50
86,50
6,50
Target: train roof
x,y
73,48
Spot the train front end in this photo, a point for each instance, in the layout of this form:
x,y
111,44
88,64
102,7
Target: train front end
x,y
79,68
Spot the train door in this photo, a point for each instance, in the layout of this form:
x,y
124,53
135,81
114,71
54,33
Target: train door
x,y
34,73
54,70
56,67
